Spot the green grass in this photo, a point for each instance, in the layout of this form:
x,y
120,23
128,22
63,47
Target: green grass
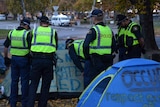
x,y
3,33
157,28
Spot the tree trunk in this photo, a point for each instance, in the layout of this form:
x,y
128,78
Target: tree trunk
x,y
146,21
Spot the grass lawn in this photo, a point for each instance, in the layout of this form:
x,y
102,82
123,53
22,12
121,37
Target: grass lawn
x,y
157,28
3,33
157,31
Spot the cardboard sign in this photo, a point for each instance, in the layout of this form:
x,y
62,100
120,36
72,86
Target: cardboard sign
x,y
67,77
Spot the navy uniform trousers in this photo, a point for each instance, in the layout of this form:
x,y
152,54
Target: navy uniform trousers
x,y
95,66
41,67
20,69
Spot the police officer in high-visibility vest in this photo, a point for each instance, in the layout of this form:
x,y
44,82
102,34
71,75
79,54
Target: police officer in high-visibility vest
x,y
120,44
19,41
99,45
133,41
120,39
43,50
75,50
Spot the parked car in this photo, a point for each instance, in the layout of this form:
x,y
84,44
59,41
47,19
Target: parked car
x,y
2,17
10,16
60,20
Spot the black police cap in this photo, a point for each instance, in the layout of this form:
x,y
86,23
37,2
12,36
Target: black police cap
x,y
44,19
25,21
97,12
120,18
68,41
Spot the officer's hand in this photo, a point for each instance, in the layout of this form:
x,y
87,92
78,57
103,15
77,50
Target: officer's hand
x,y
7,61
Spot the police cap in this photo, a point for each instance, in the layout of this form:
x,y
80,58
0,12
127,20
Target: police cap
x,y
69,41
44,19
120,18
97,12
25,22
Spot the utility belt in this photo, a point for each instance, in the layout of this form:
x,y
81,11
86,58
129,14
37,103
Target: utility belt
x,y
134,46
103,57
42,55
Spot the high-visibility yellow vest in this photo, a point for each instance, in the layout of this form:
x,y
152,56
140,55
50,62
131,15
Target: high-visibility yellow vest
x,y
102,44
43,40
121,31
121,36
130,34
19,44
78,46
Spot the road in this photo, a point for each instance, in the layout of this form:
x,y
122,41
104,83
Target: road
x,y
63,32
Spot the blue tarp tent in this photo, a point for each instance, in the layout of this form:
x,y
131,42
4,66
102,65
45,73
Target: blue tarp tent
x,y
130,83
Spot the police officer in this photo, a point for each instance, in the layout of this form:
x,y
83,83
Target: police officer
x,y
99,45
19,41
43,48
75,50
130,37
120,38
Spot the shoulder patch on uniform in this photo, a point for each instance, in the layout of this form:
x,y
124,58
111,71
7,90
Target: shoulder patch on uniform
x,y
89,32
135,28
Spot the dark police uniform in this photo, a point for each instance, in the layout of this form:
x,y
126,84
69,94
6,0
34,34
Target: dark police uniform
x,y
20,41
75,50
99,45
96,63
133,34
43,48
120,44
130,39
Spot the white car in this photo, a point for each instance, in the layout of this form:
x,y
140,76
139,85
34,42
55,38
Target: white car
x,y
60,20
2,17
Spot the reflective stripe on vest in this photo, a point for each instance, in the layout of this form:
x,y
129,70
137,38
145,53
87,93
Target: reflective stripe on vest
x,y
78,46
102,44
43,40
19,45
130,34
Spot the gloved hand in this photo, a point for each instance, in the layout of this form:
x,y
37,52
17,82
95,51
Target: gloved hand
x,y
7,61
